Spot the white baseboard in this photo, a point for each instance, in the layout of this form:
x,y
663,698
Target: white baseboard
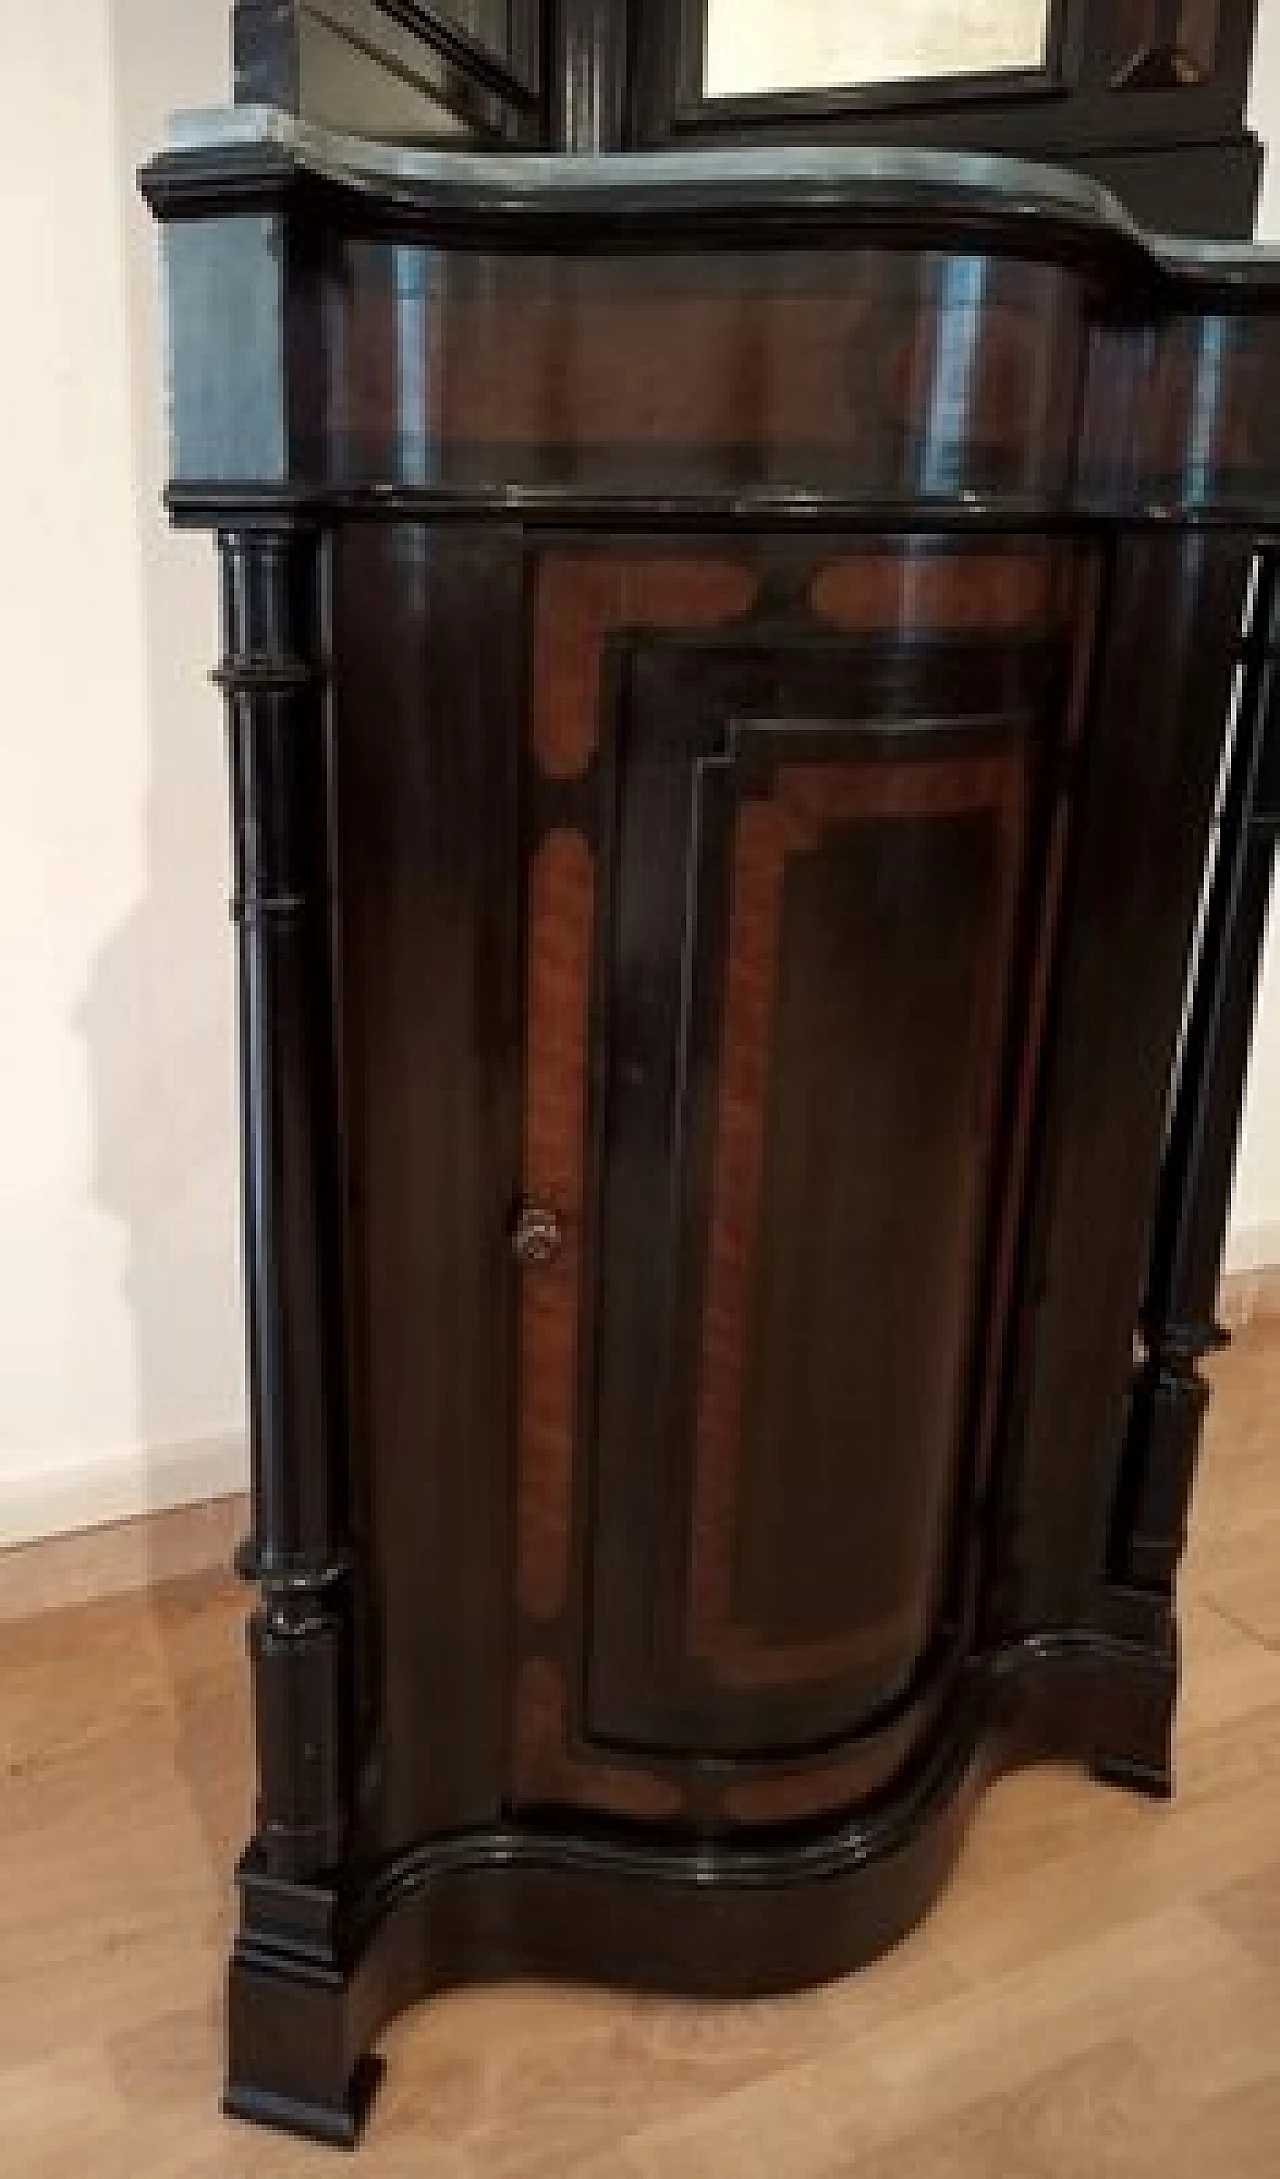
x,y
1252,1248
121,1558
60,1497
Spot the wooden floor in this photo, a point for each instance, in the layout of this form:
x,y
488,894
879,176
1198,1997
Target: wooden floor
x,y
1097,1994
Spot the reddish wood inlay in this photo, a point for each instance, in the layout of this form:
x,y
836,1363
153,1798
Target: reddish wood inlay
x,y
941,592
547,1770
848,1775
578,601
679,370
581,602
808,802
560,912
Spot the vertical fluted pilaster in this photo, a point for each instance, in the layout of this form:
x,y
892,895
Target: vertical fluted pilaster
x,y
299,1638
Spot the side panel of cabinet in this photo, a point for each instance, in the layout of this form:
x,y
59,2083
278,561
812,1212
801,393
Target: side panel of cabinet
x,y
427,697
1166,689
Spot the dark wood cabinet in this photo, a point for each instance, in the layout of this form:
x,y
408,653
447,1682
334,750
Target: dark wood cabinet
x,y
753,730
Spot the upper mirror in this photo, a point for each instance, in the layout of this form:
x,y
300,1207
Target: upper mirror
x,y
758,46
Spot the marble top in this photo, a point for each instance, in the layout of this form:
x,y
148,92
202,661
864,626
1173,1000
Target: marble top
x,y
836,183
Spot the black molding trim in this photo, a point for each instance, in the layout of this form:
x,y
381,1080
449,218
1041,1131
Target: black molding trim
x,y
251,506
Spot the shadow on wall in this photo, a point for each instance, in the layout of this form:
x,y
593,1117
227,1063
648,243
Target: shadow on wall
x,y
157,1016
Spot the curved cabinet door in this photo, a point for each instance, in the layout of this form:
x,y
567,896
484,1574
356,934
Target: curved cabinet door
x,y
782,1008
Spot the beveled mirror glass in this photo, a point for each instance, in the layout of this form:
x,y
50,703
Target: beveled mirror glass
x,y
757,46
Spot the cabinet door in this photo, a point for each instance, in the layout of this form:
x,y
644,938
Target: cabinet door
x,y
787,914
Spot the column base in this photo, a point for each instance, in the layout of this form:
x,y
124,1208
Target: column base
x,y
337,2125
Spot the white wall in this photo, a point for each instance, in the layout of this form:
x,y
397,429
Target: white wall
x,y
121,1381
1255,1221
120,1349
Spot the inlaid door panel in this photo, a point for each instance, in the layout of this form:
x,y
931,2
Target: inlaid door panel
x,y
865,977
781,938
805,961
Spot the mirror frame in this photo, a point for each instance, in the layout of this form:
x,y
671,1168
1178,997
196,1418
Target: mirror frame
x,y
1074,101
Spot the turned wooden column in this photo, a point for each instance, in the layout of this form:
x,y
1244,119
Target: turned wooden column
x,y
1179,1324
296,1553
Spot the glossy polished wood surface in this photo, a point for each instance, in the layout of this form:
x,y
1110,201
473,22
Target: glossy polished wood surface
x,y
869,373
871,378
425,847
844,336
740,677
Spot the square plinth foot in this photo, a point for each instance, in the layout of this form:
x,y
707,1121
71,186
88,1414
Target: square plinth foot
x,y
296,2056
338,2125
